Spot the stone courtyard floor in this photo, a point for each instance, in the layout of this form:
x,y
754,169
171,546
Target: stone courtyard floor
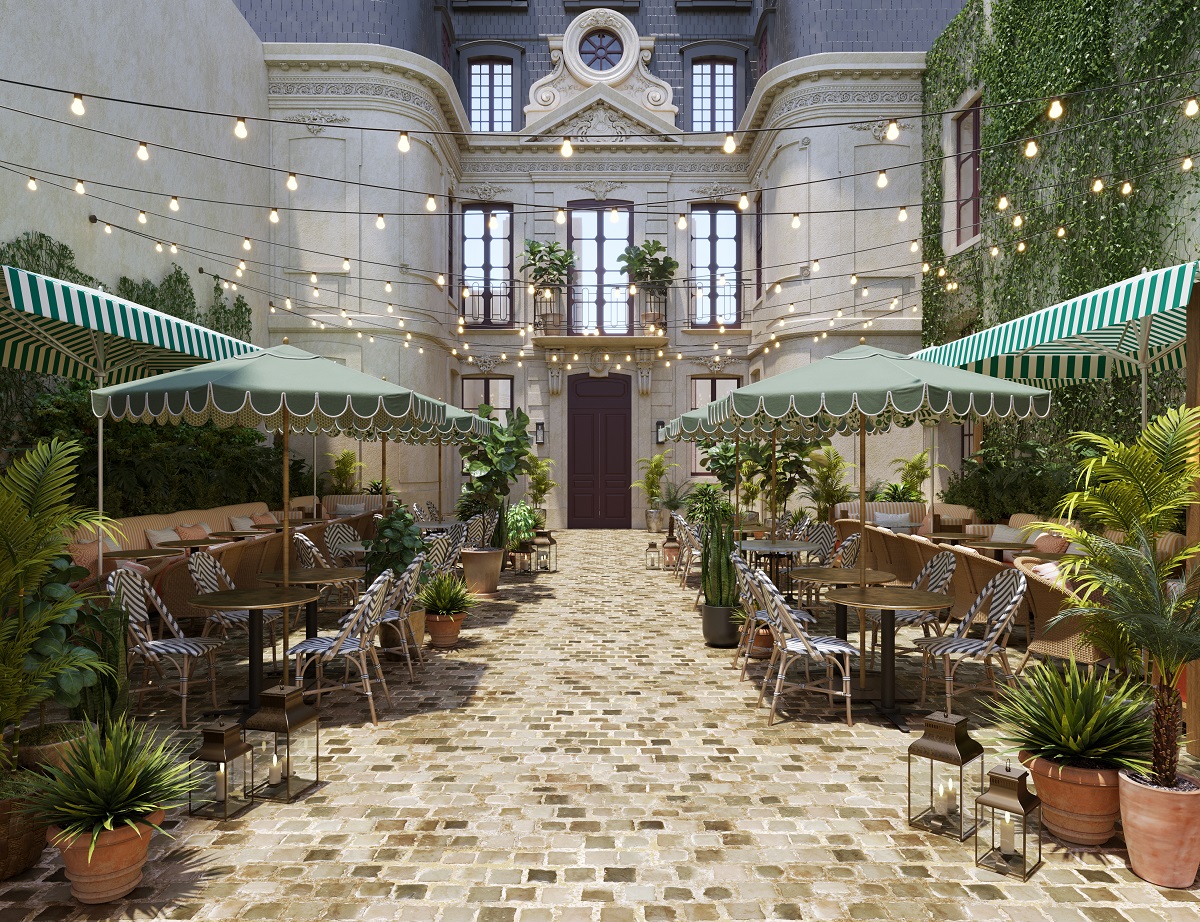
x,y
583,756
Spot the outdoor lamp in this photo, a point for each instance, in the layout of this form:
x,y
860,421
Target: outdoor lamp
x,y
653,557
539,433
660,436
287,744
224,772
938,794
545,551
1008,823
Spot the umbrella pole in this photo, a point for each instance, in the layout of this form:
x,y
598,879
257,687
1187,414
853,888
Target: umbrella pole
x,y
1145,405
862,544
287,556
737,480
316,499
440,479
774,521
383,449
100,499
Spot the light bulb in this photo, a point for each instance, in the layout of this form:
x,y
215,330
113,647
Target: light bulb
x,y
287,302
679,356
380,223
272,307
108,228
143,152
345,265
893,130
431,204
881,179
174,249
77,104
1031,148
157,247
1021,247
1126,187
316,292
743,202
614,215
493,222
531,290
914,247
853,279
902,215
924,267
1097,184
866,291
313,278
32,185
1002,205
141,217
242,264
441,280
1055,110
778,288
387,286
816,265
1061,232
79,187
274,216
402,144
291,182
1191,108
791,308
566,150
466,293
1018,220
995,251
239,128
632,289
941,272
246,243
1187,164
682,222
560,216
174,203
795,220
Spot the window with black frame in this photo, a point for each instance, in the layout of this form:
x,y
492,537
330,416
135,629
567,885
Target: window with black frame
x,y
600,301
716,261
486,295
491,94
712,94
496,391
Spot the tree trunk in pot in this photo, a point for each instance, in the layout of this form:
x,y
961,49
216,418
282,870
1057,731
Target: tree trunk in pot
x,y
1162,831
718,627
115,867
481,570
1079,805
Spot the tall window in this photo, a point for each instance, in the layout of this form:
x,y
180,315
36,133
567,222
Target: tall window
x,y
600,300
705,391
966,178
491,94
712,94
496,392
486,293
715,248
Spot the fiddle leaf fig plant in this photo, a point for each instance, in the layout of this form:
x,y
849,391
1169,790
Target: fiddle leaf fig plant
x,y
548,265
646,268
495,461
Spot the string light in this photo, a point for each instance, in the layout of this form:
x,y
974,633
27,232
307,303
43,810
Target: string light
x,y
941,272
1061,232
1191,108
1018,220
903,215
531,290
402,144
778,288
246,243
791,308
632,289
157,247
272,307
1031,148
893,130
914,247
866,292
108,228
614,215
32,186
431,203
853,279
1002,205
241,265
174,203
77,104
441,280
682,222
239,129
313,277
1056,109
1126,187
141,216
566,150
1187,164
560,216
743,202
816,265
924,267
175,249
345,264
1098,184
387,286
287,302
881,180
273,217
291,182
730,144
1021,247
995,251
795,220
143,152
493,222
379,222
79,187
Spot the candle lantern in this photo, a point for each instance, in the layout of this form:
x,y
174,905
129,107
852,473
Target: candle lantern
x,y
224,771
1008,824
522,557
286,737
943,777
653,557
545,551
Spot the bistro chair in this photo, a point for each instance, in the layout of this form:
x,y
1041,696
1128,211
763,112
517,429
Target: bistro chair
x,y
438,554
1000,598
397,611
338,537
133,592
311,558
935,576
434,514
476,526
753,607
209,576
419,514
846,553
457,533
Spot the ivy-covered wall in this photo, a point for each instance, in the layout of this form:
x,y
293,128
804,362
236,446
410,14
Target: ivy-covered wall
x,y
1135,131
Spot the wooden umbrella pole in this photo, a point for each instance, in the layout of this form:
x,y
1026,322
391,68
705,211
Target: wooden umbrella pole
x,y
287,515
440,477
737,480
862,499
774,521
383,443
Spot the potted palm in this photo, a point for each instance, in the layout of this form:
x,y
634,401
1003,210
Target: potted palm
x,y
1075,730
105,802
718,579
650,275
654,470
548,266
674,496
828,486
540,483
446,600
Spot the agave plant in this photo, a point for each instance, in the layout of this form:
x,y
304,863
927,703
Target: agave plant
x,y
445,596
116,776
1083,717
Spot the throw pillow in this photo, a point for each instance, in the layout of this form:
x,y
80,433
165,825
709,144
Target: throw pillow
x,y
344,510
241,523
156,536
1047,571
1051,544
1006,535
893,521
137,567
926,525
84,555
263,518
192,532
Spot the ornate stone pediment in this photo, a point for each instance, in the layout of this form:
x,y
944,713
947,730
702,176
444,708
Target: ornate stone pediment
x,y
629,77
599,116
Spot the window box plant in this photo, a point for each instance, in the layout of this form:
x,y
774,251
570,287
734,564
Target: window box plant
x,y
446,600
654,471
652,275
548,270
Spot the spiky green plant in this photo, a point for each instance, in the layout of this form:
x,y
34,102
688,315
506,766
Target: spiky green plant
x,y
116,776
1084,717
717,576
445,596
828,486
654,470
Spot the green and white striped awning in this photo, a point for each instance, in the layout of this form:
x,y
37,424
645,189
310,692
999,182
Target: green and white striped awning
x,y
57,328
1135,326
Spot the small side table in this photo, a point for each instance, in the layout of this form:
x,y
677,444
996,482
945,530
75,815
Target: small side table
x,y
999,547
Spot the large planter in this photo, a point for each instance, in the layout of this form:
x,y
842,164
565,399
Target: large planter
x,y
1162,831
550,312
23,839
115,867
51,754
481,570
653,309
654,519
444,630
1079,805
763,644
718,626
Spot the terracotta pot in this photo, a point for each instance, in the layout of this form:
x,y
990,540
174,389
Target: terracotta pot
x,y
22,839
49,754
1079,805
1162,831
443,631
115,868
763,644
481,570
718,627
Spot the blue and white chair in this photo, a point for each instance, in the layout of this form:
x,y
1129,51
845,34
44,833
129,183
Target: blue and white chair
x,y
935,576
209,576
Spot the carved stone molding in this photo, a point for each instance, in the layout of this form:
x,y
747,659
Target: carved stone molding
x,y
879,129
317,122
578,164
555,360
388,91
600,188
716,190
483,191
645,371
715,363
804,99
487,363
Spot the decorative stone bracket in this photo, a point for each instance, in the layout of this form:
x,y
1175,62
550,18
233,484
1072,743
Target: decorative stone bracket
x,y
555,360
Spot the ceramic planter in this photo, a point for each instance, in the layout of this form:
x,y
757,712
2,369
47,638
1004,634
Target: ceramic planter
x,y
1162,831
718,627
1079,805
763,644
116,863
444,630
654,520
48,754
481,570
23,839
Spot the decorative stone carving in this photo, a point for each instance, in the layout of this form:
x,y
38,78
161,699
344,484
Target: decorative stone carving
x,y
630,76
388,91
645,371
597,365
716,362
483,191
848,96
317,122
578,164
555,360
487,363
600,188
716,190
879,129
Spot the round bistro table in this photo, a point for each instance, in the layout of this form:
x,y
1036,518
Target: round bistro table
x,y
999,547
141,553
235,534
312,577
839,576
949,537
775,551
187,545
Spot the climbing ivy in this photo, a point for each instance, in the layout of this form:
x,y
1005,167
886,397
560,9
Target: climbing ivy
x,y
1014,50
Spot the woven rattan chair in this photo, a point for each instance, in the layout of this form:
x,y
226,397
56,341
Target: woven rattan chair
x,y
209,576
935,576
397,611
1050,637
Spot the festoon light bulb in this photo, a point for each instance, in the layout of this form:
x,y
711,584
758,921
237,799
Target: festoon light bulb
x,y
239,129
402,144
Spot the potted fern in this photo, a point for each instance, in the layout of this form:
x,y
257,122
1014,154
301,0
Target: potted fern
x,y
654,471
446,600
651,275
718,580
548,267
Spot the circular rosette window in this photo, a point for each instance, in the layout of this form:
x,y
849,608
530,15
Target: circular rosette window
x,y
601,50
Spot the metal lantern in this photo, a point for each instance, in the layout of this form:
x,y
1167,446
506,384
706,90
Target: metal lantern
x,y
545,551
224,772
937,797
287,744
653,557
522,557
1008,823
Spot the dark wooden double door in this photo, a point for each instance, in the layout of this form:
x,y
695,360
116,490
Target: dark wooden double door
x,y
599,469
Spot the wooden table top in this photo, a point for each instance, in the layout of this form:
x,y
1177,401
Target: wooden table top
x,y
314,576
766,546
271,597
184,544
838,576
235,534
892,598
292,523
1001,545
141,553
949,536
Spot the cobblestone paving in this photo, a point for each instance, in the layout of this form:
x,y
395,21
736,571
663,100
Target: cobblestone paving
x,y
583,757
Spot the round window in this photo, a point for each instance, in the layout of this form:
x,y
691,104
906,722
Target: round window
x,y
601,50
